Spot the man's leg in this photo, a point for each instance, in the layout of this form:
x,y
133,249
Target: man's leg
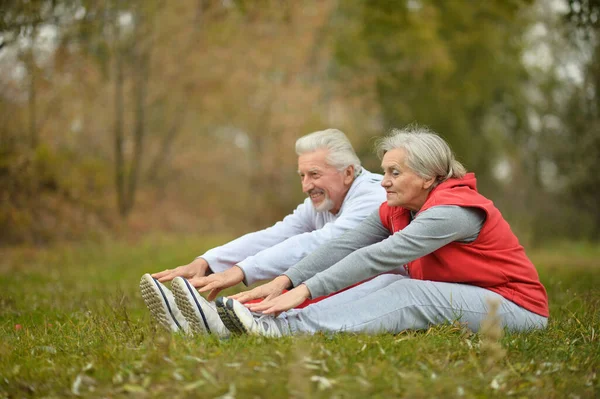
x,y
161,304
409,304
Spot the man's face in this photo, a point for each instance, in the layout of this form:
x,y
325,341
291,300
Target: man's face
x,y
324,184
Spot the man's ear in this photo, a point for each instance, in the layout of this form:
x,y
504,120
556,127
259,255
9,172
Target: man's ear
x,y
349,175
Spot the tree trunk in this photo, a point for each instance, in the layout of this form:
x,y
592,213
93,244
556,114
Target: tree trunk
x,y
142,61
118,128
33,132
158,163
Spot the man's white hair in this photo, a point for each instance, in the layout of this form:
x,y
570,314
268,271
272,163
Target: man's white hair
x,y
340,152
427,154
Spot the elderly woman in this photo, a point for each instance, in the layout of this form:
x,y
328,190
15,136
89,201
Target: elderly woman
x,y
440,252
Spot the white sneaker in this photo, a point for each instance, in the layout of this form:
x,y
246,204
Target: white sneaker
x,y
200,314
162,306
240,320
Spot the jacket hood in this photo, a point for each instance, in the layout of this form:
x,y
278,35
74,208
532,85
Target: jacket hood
x,y
468,180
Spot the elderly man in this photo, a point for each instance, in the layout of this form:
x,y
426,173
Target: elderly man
x,y
341,193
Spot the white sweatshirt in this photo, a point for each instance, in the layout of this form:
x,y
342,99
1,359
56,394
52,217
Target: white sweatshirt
x,y
268,253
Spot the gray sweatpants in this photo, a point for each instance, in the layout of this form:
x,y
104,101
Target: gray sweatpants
x,y
393,303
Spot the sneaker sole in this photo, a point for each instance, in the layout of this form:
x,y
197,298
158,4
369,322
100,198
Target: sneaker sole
x,y
157,303
228,316
188,305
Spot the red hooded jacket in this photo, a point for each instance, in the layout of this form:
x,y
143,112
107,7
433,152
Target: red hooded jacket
x,y
494,261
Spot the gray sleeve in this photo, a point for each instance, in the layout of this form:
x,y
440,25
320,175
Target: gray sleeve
x,y
430,230
370,231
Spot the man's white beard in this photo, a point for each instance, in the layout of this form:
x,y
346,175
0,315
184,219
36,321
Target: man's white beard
x,y
325,206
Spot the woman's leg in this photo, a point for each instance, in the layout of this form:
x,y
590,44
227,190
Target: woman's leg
x,y
408,304
355,293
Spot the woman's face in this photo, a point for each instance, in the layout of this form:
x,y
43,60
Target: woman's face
x,y
403,186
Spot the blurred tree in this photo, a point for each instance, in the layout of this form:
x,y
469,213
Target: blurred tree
x,y
21,20
138,46
38,184
578,154
187,112
119,36
445,64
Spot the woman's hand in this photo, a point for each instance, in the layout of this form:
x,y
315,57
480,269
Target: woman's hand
x,y
268,291
284,302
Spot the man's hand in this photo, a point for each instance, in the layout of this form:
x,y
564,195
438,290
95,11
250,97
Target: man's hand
x,y
284,302
268,291
218,281
195,269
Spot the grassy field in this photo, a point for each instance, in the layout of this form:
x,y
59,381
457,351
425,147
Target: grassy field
x,y
72,323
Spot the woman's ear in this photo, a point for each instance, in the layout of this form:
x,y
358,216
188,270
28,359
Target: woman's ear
x,y
428,183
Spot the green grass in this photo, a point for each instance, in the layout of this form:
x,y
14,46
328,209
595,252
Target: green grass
x,y
85,330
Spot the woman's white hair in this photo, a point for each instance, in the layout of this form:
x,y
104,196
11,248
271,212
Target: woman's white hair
x,y
427,154
340,152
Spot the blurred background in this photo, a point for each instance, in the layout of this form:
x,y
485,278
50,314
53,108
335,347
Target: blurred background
x,y
136,117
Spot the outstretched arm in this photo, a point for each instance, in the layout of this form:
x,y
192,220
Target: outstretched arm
x,y
276,260
225,257
366,233
431,230
369,232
